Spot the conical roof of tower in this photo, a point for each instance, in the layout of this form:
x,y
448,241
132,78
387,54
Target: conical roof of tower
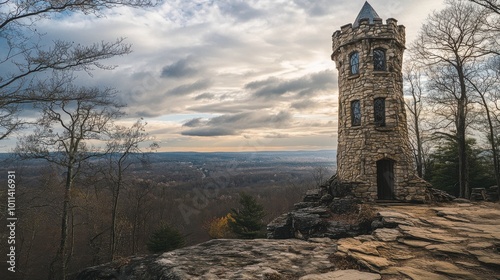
x,y
366,12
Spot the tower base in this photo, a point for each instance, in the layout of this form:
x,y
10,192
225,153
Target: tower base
x,y
414,190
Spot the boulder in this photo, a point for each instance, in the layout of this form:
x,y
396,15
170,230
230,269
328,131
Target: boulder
x,y
280,228
326,198
308,222
387,234
313,195
344,205
302,223
478,194
439,195
492,193
302,204
338,229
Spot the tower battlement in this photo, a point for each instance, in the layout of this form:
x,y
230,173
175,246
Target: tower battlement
x,y
368,31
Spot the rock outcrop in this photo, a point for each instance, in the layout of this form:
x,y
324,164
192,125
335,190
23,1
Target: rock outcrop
x,y
451,241
328,211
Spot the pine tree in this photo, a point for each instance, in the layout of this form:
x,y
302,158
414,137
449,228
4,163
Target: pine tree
x,y
246,221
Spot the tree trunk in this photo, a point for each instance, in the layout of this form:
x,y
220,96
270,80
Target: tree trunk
x,y
419,160
61,252
113,227
134,233
116,195
463,176
492,136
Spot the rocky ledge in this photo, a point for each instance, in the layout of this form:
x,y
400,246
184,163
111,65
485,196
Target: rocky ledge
x,y
450,241
228,259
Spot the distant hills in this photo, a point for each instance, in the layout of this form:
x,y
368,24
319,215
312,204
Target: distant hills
x,y
326,157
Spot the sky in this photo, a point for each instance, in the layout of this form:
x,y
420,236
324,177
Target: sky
x,y
229,75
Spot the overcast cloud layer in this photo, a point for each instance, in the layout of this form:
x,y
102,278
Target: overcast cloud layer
x,y
230,75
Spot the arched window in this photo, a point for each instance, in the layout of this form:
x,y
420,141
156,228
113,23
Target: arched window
x,y
379,60
379,111
354,63
355,113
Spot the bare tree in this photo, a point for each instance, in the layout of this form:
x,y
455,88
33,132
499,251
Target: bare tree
x,y
493,5
23,58
141,208
448,43
414,89
66,135
486,84
123,147
492,25
320,176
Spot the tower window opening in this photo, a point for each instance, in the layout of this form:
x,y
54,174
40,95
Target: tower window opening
x,y
354,63
379,111
379,60
355,113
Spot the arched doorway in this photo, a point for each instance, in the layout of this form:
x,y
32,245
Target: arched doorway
x,y
385,179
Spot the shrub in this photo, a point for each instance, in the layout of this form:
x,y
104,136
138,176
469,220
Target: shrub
x,y
219,227
165,239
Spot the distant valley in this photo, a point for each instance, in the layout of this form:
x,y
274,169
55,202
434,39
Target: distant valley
x,y
183,189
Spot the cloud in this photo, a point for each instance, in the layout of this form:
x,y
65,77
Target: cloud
x,y
232,124
193,122
304,104
252,120
239,10
209,131
204,96
181,68
190,88
307,85
231,107
316,7
222,40
277,135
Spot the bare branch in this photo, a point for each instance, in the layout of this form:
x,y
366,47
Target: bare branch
x,y
27,59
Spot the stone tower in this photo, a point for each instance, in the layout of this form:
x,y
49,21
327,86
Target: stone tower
x,y
373,153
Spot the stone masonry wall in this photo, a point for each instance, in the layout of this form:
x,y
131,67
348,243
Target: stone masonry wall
x,y
360,147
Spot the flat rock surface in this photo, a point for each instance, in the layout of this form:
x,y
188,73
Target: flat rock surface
x,y
348,274
453,241
439,242
226,259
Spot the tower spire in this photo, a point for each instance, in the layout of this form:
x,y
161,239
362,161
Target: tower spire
x,y
366,12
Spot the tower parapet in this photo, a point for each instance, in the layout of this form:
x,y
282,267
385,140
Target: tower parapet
x,y
365,31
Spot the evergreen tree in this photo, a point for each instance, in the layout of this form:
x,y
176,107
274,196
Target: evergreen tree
x,y
165,239
246,221
443,167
